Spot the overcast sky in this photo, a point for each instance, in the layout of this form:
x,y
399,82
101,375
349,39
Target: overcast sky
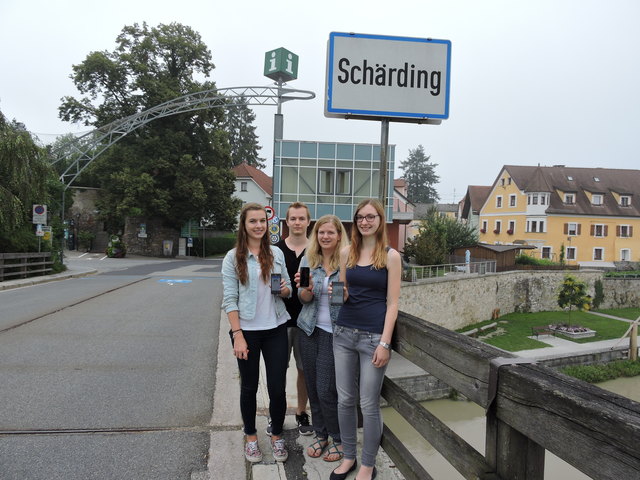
x,y
532,81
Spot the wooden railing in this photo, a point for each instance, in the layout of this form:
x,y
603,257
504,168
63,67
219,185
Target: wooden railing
x,y
530,409
23,265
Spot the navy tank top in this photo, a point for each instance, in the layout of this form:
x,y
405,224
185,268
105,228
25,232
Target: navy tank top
x,y
366,306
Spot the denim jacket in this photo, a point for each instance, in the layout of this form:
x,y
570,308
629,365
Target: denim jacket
x,y
309,314
244,297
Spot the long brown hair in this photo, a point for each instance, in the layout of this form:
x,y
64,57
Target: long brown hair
x,y
314,251
242,248
380,250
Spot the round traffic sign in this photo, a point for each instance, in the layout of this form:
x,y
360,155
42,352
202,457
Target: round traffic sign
x,y
275,238
270,212
274,228
39,209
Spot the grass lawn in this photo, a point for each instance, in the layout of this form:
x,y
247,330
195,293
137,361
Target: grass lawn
x,y
630,313
515,328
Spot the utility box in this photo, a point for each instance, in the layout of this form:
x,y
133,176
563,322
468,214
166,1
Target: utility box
x,y
167,247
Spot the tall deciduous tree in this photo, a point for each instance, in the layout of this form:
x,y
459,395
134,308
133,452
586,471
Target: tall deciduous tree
x,y
26,178
176,168
242,136
420,176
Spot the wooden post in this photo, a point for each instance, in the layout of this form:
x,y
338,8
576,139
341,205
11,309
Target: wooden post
x,y
633,341
512,454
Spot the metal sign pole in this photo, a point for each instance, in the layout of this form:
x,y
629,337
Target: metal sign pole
x,y
384,153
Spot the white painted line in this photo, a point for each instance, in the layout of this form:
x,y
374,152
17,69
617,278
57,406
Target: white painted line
x,y
106,256
85,253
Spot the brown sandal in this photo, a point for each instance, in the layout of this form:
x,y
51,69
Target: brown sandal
x,y
333,453
316,448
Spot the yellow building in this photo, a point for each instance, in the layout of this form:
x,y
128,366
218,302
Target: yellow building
x,y
590,212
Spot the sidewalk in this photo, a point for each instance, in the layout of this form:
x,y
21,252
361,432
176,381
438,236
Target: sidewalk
x,y
226,459
75,271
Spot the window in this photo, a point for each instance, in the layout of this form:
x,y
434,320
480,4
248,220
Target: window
x,y
624,231
571,253
596,179
625,201
509,180
343,182
569,177
325,181
596,199
512,200
499,202
598,253
572,229
546,252
502,182
535,226
484,227
569,199
625,255
534,199
543,199
243,186
599,230
512,227
498,226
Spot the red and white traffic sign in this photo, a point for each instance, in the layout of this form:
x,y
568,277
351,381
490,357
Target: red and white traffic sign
x,y
39,214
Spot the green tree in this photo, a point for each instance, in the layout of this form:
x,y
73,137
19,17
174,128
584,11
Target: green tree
x,y
242,136
26,178
573,293
437,237
420,176
175,168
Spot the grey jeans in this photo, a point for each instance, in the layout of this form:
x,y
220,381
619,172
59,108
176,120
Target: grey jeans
x,y
353,351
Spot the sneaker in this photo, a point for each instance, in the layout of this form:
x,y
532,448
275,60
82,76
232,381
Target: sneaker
x,y
269,428
252,452
304,428
280,453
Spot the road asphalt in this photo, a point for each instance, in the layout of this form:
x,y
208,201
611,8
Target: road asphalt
x,y
226,459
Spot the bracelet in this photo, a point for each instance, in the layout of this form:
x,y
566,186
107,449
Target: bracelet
x,y
235,332
384,345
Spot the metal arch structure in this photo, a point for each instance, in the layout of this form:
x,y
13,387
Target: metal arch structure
x,y
93,144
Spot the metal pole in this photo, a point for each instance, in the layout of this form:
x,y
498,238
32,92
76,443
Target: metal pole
x,y
384,152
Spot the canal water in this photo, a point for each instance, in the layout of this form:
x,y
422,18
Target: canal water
x,y
467,420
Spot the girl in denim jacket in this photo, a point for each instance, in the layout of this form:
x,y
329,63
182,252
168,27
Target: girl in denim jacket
x,y
258,324
316,320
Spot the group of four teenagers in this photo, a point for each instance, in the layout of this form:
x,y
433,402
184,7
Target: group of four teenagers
x,y
341,348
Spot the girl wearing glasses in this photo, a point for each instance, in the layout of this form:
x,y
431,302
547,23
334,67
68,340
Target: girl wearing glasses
x,y
362,336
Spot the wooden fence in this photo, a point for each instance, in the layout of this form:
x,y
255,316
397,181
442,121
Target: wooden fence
x,y
530,409
23,265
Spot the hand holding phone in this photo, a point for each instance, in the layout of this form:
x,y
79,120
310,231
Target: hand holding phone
x,y
337,293
304,277
276,280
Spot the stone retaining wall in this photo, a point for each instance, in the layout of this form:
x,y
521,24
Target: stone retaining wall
x,y
458,300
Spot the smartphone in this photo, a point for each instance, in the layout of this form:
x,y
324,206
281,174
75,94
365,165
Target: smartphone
x,y
276,278
337,293
304,277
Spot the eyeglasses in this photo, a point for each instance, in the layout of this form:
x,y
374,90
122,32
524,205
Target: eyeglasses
x,y
369,218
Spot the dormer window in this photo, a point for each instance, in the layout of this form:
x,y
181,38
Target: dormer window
x,y
596,199
625,201
569,198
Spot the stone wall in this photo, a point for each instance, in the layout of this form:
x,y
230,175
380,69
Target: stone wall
x,y
458,300
152,244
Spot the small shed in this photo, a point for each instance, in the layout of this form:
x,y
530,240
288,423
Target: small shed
x,y
504,255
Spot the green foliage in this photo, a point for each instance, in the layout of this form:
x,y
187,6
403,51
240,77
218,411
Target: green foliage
x,y
420,176
524,259
215,245
242,135
625,273
573,293
174,168
116,248
602,373
26,178
630,313
437,236
598,296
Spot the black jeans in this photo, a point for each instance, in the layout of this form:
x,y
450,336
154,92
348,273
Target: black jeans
x,y
274,345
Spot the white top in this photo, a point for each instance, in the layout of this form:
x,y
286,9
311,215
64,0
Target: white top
x,y
266,317
324,319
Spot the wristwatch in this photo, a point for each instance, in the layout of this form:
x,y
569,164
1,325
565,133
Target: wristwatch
x,y
385,345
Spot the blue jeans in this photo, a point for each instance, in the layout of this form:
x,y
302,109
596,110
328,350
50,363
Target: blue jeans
x,y
273,345
356,375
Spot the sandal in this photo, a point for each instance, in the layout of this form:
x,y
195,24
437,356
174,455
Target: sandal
x,y
316,448
333,453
